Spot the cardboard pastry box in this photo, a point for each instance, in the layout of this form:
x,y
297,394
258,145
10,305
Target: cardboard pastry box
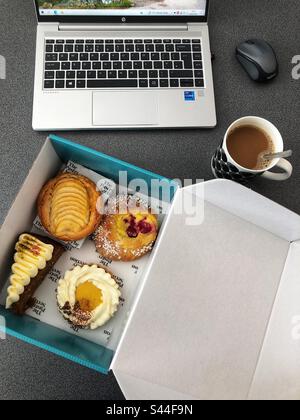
x,y
215,312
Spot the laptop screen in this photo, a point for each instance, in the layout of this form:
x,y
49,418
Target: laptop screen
x,y
122,8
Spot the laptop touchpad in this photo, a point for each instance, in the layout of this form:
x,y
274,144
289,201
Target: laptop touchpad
x,y
125,108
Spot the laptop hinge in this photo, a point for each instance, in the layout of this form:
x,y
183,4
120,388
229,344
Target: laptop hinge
x,y
121,27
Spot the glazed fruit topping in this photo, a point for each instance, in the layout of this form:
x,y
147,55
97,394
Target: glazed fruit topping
x,y
88,297
144,227
135,228
132,232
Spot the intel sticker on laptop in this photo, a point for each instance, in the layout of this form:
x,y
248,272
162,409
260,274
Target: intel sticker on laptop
x,y
189,96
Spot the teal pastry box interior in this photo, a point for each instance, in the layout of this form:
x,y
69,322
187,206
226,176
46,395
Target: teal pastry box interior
x,y
54,153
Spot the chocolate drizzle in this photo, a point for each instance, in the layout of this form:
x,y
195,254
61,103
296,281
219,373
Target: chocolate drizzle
x,y
77,317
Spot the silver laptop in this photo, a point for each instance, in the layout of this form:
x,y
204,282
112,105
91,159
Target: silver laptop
x,y
105,64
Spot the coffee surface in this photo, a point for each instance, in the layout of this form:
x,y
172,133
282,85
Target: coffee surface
x,y
246,145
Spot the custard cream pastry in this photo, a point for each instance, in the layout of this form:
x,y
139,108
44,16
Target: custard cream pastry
x,y
88,297
35,256
128,230
67,207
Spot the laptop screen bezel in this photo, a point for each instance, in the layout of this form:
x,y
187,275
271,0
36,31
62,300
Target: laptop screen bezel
x,y
121,19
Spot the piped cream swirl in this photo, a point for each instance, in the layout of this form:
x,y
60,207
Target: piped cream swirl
x,y
31,256
70,308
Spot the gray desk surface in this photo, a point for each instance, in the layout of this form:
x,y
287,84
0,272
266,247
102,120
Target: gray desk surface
x,y
29,373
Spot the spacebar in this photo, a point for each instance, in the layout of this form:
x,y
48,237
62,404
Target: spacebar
x,y
113,83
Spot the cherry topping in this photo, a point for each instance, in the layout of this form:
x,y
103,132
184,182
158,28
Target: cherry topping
x,y
132,232
144,227
134,228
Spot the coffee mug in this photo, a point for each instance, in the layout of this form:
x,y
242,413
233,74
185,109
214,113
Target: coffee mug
x,y
224,166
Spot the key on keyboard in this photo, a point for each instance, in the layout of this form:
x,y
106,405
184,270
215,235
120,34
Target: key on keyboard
x,y
123,63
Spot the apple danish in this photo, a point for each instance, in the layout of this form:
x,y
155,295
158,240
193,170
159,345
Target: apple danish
x,y
67,207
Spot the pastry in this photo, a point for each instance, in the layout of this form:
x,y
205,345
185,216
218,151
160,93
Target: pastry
x,y
88,297
34,258
67,207
128,230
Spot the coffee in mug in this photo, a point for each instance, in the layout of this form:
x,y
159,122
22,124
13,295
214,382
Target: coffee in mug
x,y
248,144
240,157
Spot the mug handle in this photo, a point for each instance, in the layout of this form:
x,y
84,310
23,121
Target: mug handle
x,y
283,164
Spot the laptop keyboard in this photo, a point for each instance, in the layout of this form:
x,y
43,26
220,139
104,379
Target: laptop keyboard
x,y
123,63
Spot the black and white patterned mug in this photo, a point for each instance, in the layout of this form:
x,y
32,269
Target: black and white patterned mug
x,y
224,166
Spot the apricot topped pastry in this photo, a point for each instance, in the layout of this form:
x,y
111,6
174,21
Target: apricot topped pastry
x,y
67,207
88,297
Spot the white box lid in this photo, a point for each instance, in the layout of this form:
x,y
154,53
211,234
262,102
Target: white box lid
x,y
200,323
278,372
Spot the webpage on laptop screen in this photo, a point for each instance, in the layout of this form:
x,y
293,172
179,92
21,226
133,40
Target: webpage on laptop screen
x,y
122,7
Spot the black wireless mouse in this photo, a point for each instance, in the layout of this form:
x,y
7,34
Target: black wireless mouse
x,y
258,59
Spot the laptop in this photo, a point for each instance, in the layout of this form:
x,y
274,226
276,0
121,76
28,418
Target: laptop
x,y
119,64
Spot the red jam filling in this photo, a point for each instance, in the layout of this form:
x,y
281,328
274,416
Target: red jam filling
x,y
134,228
132,232
145,227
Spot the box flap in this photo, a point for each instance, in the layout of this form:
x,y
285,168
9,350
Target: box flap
x,y
278,372
254,207
138,389
199,325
